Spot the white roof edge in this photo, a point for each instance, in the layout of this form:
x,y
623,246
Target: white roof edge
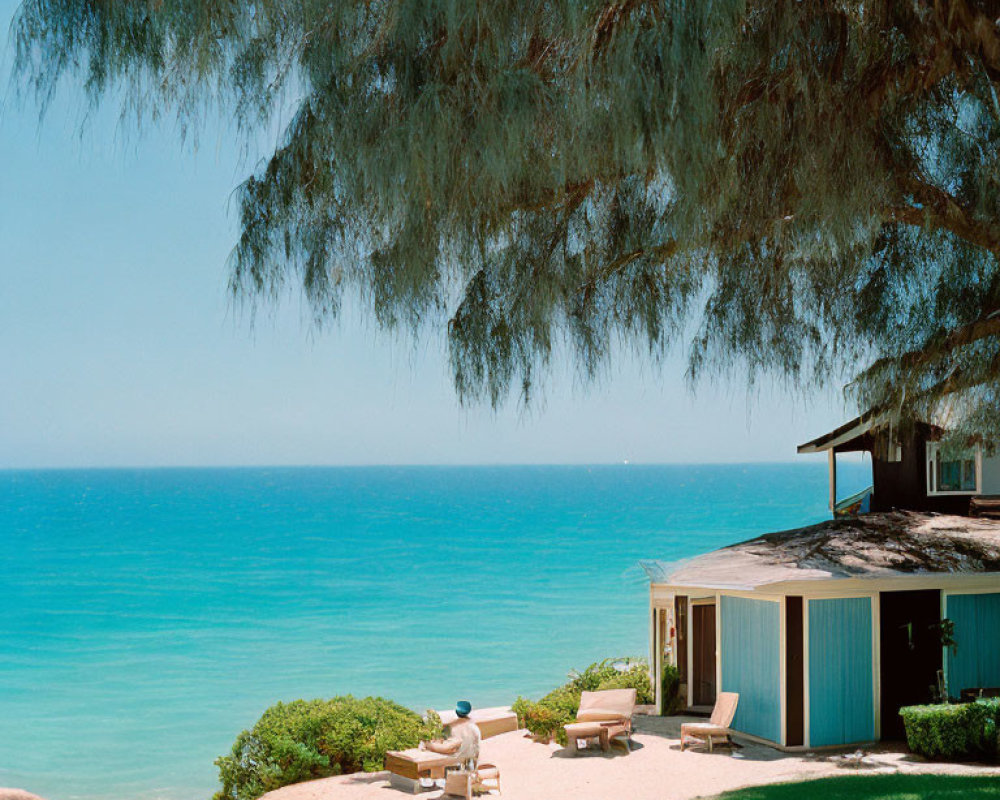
x,y
862,427
791,583
732,587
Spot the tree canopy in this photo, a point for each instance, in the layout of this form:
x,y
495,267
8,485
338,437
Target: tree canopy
x,y
794,187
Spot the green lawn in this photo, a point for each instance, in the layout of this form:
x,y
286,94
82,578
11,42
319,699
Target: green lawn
x,y
877,787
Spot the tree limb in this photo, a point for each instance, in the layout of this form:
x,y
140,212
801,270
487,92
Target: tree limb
x,y
983,328
941,210
617,265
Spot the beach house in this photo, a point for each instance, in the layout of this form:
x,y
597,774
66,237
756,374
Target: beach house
x,y
911,468
826,631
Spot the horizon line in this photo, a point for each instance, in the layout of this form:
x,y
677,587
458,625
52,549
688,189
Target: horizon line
x,y
410,465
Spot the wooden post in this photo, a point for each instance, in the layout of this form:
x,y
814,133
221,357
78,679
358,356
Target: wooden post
x,y
833,478
655,667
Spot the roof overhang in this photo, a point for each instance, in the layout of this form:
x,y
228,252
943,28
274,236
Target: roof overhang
x,y
838,585
845,433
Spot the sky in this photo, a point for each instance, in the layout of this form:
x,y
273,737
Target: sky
x,y
119,345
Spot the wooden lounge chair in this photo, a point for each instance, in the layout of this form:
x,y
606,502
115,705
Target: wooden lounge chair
x,y
716,730
603,715
464,783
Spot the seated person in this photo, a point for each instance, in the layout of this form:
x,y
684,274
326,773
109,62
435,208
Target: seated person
x,y
463,741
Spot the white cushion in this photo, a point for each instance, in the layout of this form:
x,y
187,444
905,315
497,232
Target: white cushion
x,y
598,715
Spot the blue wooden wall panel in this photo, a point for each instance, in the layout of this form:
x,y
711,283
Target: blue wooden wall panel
x,y
841,692
750,658
976,662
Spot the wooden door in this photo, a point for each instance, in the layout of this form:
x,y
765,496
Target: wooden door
x,y
703,652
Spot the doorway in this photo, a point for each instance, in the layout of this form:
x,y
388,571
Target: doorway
x,y
703,654
911,654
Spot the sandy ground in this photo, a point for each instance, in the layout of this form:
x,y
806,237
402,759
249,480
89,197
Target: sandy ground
x,y
655,770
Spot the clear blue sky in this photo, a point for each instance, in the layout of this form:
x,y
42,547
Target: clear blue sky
x,y
118,345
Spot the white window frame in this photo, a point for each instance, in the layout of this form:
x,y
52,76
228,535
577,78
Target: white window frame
x,y
931,461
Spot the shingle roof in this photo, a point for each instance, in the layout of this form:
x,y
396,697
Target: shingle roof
x,y
888,544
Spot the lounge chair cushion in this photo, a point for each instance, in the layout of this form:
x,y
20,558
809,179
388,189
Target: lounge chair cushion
x,y
599,715
618,703
703,728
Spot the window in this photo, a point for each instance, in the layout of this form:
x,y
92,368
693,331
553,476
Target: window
x,y
951,472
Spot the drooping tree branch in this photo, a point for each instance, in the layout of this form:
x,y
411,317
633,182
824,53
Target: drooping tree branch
x,y
810,186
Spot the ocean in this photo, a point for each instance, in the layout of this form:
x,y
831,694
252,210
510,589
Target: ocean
x,y
147,616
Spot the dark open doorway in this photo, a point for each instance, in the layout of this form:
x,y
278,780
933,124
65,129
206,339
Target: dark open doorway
x,y
703,655
910,653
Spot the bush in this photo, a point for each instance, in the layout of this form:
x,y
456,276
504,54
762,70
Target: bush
x,y
963,732
670,690
302,740
543,721
613,673
546,717
993,723
635,677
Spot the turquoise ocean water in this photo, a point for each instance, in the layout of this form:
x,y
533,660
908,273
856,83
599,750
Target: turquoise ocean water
x,y
147,616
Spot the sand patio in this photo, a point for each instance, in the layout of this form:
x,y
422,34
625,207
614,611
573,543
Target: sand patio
x,y
655,770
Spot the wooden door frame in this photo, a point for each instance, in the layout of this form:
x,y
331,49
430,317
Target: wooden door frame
x,y
701,602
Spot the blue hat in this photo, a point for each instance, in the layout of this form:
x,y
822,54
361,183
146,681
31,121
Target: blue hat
x,y
463,707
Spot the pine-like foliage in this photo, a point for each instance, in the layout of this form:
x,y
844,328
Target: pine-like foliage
x,y
807,185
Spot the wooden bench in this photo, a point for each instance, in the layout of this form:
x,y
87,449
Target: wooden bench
x,y
979,692
407,767
985,506
490,721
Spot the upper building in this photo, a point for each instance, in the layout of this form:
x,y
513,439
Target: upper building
x,y
911,468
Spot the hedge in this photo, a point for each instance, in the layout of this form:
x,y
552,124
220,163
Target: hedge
x,y
308,739
960,732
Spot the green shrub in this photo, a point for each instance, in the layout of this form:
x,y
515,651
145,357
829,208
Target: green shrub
x,y
614,673
670,690
302,740
963,732
635,677
546,717
992,706
543,721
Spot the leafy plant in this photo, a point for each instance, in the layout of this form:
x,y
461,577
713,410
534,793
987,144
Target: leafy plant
x,y
613,673
543,721
670,690
308,739
946,633
962,732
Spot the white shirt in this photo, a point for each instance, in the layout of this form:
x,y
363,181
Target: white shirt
x,y
468,735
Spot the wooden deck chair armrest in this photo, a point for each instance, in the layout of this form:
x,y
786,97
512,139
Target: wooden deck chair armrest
x,y
625,722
